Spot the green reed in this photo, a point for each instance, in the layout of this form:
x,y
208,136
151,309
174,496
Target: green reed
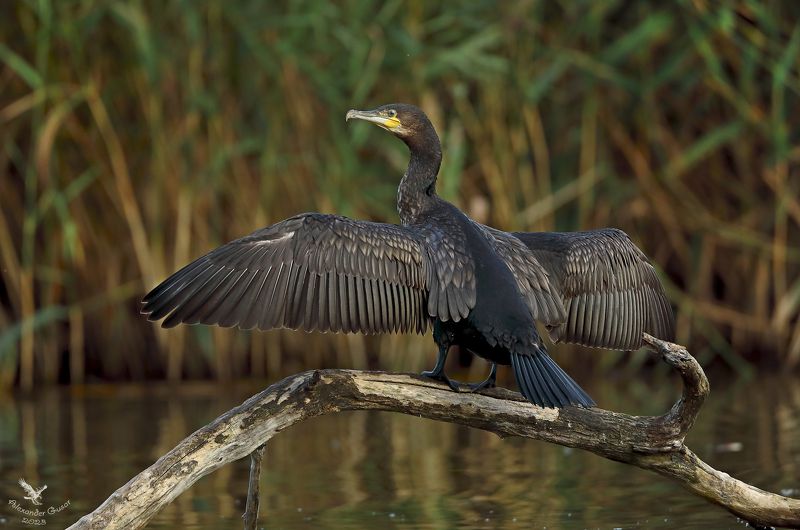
x,y
135,136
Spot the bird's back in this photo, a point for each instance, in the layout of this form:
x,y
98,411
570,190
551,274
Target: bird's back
x,y
500,308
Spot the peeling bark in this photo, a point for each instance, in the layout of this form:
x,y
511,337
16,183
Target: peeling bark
x,y
654,443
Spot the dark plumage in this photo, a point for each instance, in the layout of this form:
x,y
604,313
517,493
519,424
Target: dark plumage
x,y
478,287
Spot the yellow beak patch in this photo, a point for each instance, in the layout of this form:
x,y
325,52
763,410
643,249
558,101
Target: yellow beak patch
x,y
391,123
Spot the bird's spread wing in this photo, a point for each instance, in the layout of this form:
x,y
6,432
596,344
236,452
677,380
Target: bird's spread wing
x,y
312,271
27,487
610,291
532,278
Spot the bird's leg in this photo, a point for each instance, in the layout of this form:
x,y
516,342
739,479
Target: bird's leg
x,y
438,370
489,382
444,338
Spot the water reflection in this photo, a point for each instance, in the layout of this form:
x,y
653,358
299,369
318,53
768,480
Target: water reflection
x,y
362,470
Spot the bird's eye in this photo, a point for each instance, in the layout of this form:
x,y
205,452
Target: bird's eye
x,y
392,113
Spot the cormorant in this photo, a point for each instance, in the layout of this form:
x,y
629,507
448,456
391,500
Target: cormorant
x,y
478,287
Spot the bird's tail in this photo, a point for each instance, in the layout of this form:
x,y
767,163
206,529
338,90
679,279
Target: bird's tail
x,y
544,383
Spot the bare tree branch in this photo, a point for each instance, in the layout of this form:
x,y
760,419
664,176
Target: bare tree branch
x,y
654,443
250,515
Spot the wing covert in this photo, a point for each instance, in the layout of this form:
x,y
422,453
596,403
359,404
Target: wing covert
x,y
452,292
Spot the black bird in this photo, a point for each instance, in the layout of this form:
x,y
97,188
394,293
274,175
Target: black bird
x,y
478,287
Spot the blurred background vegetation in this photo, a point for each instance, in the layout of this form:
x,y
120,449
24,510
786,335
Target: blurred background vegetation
x,y
137,135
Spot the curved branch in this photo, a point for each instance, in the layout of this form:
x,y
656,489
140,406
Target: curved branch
x,y
654,443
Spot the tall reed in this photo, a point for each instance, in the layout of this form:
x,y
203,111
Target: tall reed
x,y
135,136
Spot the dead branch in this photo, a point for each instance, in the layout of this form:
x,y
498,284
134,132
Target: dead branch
x,y
250,515
654,443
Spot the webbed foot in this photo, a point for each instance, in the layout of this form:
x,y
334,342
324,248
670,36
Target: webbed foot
x,y
438,370
489,382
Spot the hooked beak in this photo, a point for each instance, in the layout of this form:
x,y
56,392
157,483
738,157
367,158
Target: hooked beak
x,y
377,117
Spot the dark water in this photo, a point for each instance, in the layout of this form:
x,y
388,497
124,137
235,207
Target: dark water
x,y
381,470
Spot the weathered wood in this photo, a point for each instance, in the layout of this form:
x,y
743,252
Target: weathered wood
x,y
654,443
250,514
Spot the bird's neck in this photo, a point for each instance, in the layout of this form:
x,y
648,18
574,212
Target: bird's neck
x,y
417,191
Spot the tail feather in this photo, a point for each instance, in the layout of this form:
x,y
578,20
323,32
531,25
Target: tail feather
x,y
539,380
563,379
544,383
551,379
525,380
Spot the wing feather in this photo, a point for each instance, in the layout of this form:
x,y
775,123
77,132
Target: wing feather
x,y
312,271
236,305
611,291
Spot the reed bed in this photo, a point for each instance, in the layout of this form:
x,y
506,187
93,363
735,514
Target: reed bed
x,y
135,136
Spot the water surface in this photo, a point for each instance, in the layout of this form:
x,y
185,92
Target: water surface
x,y
383,470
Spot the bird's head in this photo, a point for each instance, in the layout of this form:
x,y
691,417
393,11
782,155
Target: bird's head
x,y
407,122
